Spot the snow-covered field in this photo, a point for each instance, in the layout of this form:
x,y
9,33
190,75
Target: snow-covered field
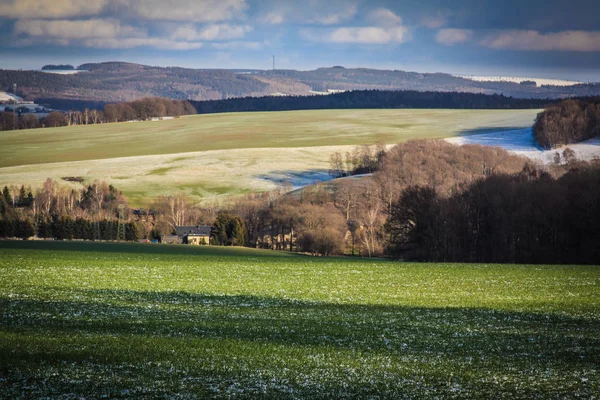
x,y
539,81
8,97
521,142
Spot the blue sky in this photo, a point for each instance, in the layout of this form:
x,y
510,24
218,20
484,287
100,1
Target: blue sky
x,y
550,38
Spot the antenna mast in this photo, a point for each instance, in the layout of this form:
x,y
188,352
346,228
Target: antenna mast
x,y
273,62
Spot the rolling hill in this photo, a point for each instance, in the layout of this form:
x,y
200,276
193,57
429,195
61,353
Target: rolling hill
x,y
119,81
213,156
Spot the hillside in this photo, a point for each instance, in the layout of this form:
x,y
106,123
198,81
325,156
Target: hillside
x,y
339,78
207,156
119,81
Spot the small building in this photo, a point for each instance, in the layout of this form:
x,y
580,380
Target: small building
x,y
194,235
170,239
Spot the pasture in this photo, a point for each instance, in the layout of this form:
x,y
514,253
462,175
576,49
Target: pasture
x,y
149,321
207,156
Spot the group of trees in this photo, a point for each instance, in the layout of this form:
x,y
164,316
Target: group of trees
x,y
147,108
10,121
307,222
570,121
97,211
347,216
138,110
529,217
363,159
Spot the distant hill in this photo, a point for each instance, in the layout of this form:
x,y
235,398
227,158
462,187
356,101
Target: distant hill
x,y
120,81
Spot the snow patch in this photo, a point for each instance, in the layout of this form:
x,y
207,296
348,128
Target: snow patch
x,y
538,81
521,142
5,97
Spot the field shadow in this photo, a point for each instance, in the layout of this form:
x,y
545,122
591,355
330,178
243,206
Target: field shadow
x,y
493,129
140,248
297,179
228,340
511,140
402,330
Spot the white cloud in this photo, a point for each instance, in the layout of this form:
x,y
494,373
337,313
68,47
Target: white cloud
x,y
580,41
94,33
274,18
309,12
79,29
334,18
210,32
163,10
183,10
18,9
435,21
450,36
384,17
361,35
237,45
128,43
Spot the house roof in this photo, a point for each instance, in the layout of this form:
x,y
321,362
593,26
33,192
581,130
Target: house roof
x,y
201,230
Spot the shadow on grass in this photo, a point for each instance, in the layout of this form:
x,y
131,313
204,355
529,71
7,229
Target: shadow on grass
x,y
300,349
139,248
394,329
511,140
297,179
494,129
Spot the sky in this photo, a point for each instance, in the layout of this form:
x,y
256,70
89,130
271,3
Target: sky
x,y
525,38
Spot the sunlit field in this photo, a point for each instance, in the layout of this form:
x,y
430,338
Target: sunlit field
x,y
211,156
150,321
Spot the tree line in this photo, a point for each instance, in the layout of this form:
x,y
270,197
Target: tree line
x,y
96,211
138,110
370,99
530,217
570,121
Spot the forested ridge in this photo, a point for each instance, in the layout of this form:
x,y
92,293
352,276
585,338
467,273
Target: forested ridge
x,y
120,81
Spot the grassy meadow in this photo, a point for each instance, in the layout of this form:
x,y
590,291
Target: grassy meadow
x,y
208,156
97,320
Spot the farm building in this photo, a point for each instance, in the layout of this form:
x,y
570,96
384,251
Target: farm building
x,y
170,239
194,235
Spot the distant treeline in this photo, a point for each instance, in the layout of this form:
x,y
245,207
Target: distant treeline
x,y
138,110
60,67
367,99
570,121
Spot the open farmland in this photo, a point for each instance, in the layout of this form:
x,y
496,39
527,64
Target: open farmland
x,y
124,320
213,155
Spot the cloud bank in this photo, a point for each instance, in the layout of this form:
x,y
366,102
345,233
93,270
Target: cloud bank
x,y
450,36
529,40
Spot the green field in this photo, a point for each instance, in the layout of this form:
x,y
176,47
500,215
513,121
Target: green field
x,y
208,156
85,320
